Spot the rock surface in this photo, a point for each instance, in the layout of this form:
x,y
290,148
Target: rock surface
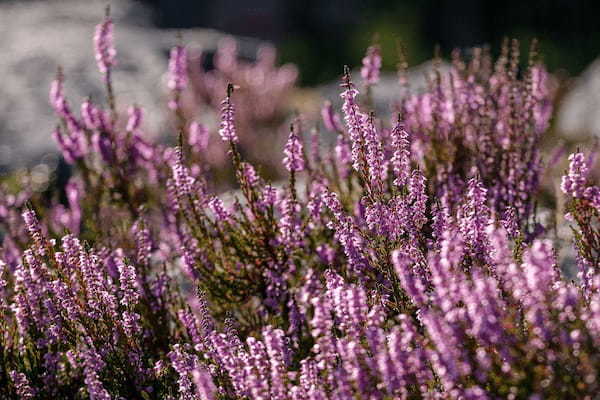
x,y
578,116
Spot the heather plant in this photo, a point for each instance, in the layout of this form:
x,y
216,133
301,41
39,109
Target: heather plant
x,y
403,261
484,118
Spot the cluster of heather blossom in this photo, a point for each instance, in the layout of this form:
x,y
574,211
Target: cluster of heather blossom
x,y
483,119
402,261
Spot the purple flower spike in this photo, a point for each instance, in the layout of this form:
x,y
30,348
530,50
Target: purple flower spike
x,y
103,46
227,130
218,208
403,265
178,76
135,118
93,365
35,231
294,158
401,155
355,122
371,66
205,388
183,364
574,183
475,218
275,348
184,182
128,282
375,156
291,234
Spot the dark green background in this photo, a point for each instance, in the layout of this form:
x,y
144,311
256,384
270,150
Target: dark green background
x,y
322,35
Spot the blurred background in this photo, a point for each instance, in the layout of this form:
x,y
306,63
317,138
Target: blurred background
x,y
319,37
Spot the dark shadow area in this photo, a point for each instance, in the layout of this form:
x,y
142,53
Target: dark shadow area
x,y
318,35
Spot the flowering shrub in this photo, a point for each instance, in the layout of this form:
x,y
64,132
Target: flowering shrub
x,y
406,262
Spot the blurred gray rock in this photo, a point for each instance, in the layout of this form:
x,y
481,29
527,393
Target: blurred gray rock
x,y
578,115
38,36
